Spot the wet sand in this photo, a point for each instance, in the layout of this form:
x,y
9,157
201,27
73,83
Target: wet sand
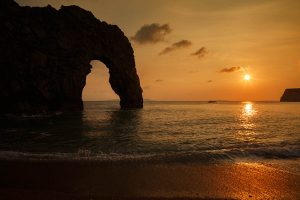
x,y
92,180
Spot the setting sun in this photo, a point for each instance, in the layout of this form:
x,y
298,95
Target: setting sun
x,y
247,77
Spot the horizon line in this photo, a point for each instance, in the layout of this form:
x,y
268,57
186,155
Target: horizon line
x,y
190,100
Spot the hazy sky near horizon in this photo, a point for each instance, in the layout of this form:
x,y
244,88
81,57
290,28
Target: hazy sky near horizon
x,y
201,49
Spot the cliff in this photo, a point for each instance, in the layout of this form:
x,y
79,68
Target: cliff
x,y
291,95
45,57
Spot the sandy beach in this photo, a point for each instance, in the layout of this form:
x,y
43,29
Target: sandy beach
x,y
91,180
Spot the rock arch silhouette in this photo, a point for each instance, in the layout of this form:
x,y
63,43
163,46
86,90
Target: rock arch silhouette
x,y
45,57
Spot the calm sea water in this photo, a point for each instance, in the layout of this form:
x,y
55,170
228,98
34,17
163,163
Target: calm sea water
x,y
162,131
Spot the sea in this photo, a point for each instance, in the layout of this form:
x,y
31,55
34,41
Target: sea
x,y
163,132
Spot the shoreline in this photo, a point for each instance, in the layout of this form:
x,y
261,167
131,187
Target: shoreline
x,y
90,180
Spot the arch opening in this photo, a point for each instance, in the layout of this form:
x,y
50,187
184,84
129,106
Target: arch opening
x,y
97,86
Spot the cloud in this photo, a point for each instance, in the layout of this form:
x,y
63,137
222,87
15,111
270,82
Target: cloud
x,y
159,80
176,45
151,33
201,52
209,81
230,69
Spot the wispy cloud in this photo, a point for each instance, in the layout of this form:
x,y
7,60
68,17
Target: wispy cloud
x,y
159,80
209,81
201,52
176,45
230,69
151,33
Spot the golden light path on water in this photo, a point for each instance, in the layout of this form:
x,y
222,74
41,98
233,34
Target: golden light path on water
x,y
247,117
248,109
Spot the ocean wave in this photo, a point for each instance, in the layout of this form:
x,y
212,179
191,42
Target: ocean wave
x,y
30,116
204,156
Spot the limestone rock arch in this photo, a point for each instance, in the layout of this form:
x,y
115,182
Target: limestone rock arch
x,y
45,55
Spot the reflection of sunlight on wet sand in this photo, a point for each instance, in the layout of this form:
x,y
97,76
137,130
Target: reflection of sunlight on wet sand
x,y
242,180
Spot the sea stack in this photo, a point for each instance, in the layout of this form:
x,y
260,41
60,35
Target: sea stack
x,y
45,56
291,95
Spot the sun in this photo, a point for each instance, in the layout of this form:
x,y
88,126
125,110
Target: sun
x,y
247,77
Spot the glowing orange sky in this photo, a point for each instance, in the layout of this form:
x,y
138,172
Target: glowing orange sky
x,y
261,38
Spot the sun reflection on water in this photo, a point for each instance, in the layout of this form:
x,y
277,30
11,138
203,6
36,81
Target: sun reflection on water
x,y
247,122
248,109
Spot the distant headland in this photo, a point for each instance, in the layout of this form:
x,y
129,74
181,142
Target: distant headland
x,y
291,95
45,57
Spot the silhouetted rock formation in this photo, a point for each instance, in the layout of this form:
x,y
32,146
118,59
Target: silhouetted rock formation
x,y
291,95
45,55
